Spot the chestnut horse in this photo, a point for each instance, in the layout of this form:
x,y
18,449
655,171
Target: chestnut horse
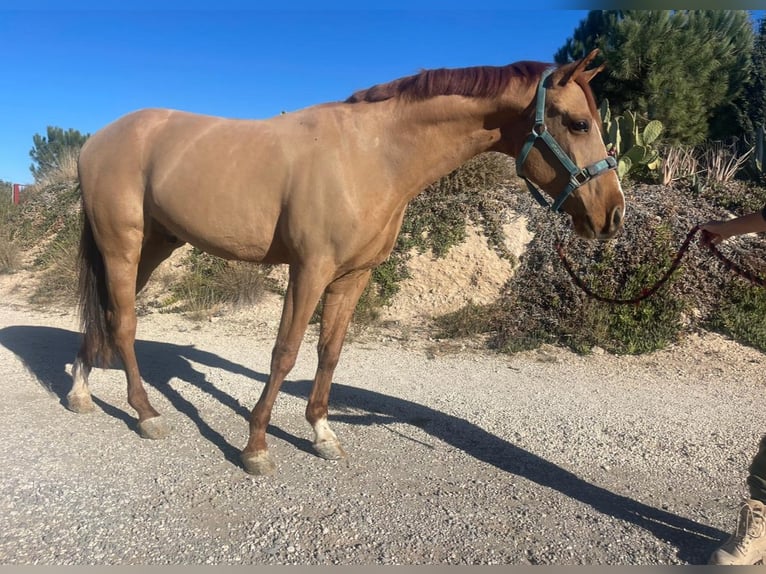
x,y
324,190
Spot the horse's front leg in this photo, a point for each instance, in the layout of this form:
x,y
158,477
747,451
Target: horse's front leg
x,y
340,301
303,291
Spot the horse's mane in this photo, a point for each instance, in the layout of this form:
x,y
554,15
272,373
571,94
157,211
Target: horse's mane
x,y
477,82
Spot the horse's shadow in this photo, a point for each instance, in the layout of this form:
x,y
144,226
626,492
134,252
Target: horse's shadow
x,y
46,351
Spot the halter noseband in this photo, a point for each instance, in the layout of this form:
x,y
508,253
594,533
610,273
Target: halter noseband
x,y
578,176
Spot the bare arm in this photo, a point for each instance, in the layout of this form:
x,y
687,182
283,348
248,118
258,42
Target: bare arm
x,y
721,230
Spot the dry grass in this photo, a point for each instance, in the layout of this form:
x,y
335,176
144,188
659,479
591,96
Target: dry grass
x,y
680,163
209,283
713,163
10,254
64,173
10,251
57,281
722,161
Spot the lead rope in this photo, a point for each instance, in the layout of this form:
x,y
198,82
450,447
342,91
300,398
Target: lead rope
x,y
648,292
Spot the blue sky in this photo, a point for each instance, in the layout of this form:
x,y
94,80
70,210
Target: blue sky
x,y
84,67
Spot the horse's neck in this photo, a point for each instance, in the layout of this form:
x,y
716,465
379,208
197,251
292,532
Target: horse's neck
x,y
431,138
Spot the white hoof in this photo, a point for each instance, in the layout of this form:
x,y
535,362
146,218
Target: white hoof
x,y
259,463
329,450
326,443
80,403
154,428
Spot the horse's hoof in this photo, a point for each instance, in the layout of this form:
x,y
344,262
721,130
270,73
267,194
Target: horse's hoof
x,y
80,404
154,428
259,463
329,450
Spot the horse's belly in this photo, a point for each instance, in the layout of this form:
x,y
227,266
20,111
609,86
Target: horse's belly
x,y
222,226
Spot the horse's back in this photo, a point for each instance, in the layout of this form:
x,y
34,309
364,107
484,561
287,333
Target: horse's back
x,y
214,182
157,139
242,189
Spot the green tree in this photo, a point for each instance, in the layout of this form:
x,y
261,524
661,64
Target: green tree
x,y
686,68
48,152
756,88
731,117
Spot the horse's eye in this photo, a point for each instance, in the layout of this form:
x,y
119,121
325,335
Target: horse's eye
x,y
580,126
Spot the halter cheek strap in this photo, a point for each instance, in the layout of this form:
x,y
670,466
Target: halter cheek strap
x,y
577,176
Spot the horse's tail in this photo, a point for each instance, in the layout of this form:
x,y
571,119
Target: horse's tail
x,y
98,345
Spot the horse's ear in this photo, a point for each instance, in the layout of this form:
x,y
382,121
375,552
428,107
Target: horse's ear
x,y
590,74
578,68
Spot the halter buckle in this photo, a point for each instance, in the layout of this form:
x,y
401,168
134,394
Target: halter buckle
x,y
581,177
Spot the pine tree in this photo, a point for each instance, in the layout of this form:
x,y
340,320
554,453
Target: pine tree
x,y
756,89
686,68
735,54
48,151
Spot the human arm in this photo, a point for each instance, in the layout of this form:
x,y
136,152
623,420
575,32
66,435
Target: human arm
x,y
751,223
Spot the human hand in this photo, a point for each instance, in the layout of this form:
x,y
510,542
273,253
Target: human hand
x,y
714,232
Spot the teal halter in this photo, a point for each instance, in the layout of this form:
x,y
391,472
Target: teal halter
x,y
578,176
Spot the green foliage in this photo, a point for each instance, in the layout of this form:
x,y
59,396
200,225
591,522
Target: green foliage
x,y
741,314
384,283
471,320
48,222
629,329
756,165
541,304
755,91
634,146
10,253
686,68
730,116
51,152
436,219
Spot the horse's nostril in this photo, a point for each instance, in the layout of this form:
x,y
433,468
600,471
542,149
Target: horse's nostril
x,y
616,217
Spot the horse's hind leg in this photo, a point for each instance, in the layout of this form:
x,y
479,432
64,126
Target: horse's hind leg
x,y
122,271
79,399
340,301
158,245
156,248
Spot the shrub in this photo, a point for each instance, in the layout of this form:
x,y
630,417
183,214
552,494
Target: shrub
x,y
10,252
62,168
722,160
47,223
471,320
741,314
209,281
542,305
58,265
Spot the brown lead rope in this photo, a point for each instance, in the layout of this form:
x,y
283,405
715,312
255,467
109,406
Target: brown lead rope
x,y
648,292
730,265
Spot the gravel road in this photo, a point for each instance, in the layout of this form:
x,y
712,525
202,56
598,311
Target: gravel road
x,y
455,456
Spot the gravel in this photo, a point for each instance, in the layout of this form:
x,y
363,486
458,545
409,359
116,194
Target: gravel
x,y
456,455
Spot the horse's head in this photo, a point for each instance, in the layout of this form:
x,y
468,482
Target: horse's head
x,y
565,155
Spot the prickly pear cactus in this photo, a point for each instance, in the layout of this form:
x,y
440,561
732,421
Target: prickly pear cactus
x,y
633,146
